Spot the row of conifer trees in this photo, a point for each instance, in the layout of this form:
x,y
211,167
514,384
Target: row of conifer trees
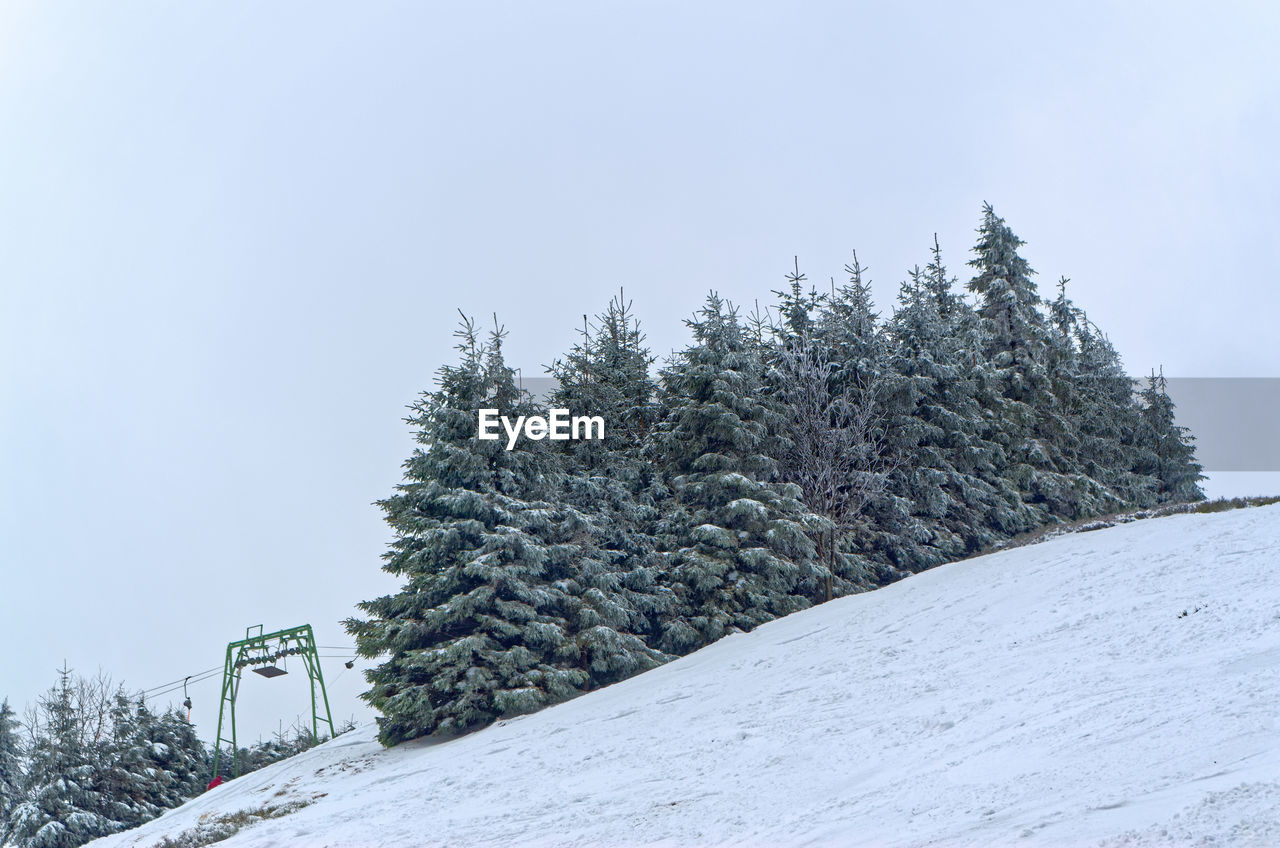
x,y
92,759
780,460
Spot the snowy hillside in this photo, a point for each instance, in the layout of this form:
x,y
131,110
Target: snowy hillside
x,y
1114,688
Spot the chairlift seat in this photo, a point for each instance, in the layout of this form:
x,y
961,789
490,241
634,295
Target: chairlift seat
x,y
270,671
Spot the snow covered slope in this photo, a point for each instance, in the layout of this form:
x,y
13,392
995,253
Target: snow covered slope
x,y
1113,688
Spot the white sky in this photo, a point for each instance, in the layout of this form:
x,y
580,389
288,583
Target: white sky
x,y
233,238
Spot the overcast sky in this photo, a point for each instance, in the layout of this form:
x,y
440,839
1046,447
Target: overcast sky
x,y
234,237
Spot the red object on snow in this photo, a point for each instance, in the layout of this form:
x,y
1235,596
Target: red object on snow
x,y
217,781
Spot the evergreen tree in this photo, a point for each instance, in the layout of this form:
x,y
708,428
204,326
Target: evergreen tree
x,y
482,627
62,808
161,760
612,493
1075,373
610,481
1010,303
966,391
738,546
123,783
1168,450
950,480
921,481
797,309
1063,365
1110,420
1020,346
178,752
11,774
1015,345
607,374
472,634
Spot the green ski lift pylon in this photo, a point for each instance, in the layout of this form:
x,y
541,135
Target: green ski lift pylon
x,y
263,651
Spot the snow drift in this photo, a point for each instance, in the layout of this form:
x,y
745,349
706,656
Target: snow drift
x,y
1110,688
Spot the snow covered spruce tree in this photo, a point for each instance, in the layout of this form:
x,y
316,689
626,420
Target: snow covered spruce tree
x,y
614,490
737,543
475,630
1038,430
1095,390
177,751
1167,450
155,762
122,784
11,773
977,444
485,624
607,374
951,478
100,762
63,807
925,480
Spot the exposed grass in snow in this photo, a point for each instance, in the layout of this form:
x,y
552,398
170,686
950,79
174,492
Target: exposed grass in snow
x,y
1100,522
1224,504
221,826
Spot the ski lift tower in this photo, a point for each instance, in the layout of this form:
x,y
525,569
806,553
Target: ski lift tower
x,y
263,651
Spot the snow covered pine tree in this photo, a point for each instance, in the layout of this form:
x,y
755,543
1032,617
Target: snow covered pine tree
x,y
738,544
62,808
613,490
949,480
11,776
1020,348
485,625
1167,449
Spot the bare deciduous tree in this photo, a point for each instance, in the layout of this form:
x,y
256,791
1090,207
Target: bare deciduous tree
x,y
91,701
835,447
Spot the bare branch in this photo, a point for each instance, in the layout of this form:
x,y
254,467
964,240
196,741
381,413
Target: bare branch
x,y
835,442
